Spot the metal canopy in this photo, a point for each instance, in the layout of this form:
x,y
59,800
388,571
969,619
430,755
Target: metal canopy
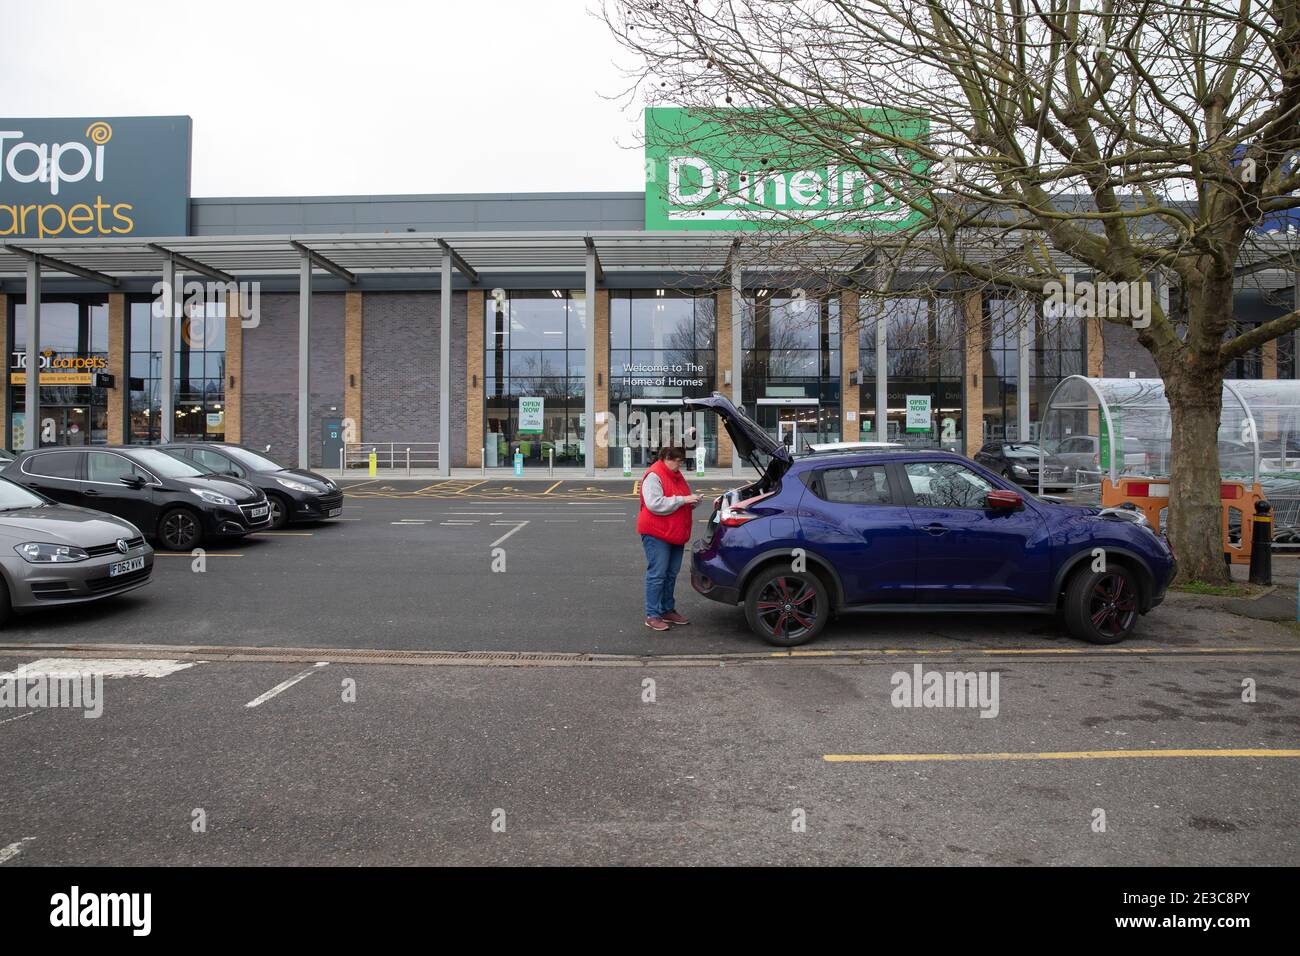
x,y
472,254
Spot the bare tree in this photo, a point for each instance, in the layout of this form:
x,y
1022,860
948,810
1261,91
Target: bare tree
x,y
1007,142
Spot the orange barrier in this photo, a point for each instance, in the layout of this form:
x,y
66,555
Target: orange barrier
x,y
1151,497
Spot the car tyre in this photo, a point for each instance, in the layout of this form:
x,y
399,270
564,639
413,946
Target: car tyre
x,y
179,530
1101,607
280,511
786,608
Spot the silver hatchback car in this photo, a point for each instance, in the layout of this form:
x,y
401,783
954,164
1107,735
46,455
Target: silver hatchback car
x,y
57,554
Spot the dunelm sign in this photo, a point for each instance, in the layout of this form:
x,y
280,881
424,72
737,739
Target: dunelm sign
x,y
109,176
706,173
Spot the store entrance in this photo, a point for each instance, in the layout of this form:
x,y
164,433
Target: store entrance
x,y
793,422
64,425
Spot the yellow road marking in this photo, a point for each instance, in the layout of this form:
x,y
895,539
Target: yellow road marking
x,y
1059,755
461,491
552,488
1008,651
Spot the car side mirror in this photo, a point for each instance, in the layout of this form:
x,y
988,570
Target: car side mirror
x,y
132,481
1000,500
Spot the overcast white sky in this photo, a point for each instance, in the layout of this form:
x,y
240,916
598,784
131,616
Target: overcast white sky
x,y
333,98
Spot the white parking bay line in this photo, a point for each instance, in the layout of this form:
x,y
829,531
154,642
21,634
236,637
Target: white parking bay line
x,y
507,534
10,720
282,687
105,667
13,849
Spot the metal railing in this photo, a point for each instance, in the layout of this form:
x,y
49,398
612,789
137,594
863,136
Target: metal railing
x,y
389,454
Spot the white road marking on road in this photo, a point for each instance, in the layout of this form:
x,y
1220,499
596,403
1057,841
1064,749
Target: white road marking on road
x,y
10,720
106,667
507,534
488,513
607,520
561,520
282,687
13,849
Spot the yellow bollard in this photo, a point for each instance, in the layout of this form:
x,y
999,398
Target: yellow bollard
x,y
374,465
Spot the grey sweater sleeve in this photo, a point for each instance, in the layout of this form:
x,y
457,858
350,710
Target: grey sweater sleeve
x,y
652,489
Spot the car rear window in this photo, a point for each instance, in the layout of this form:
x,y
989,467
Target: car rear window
x,y
53,464
860,485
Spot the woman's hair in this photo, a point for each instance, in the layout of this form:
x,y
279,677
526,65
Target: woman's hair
x,y
672,453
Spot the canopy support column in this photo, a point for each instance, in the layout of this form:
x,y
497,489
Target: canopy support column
x,y
737,353
444,367
169,306
304,358
589,365
32,389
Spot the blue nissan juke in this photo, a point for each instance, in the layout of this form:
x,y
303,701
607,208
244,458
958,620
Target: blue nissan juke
x,y
838,532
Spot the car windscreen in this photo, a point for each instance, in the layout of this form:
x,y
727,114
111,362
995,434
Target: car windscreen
x,y
252,461
1021,451
15,496
164,465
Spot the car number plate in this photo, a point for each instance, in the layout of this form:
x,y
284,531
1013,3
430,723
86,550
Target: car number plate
x,y
335,512
258,512
122,567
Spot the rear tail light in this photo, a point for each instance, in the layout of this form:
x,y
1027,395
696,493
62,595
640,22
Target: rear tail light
x,y
733,516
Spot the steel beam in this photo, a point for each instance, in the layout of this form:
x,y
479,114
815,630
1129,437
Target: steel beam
x,y
591,251
333,268
58,265
191,265
465,269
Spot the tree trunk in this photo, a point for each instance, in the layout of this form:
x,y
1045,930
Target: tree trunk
x,y
1195,523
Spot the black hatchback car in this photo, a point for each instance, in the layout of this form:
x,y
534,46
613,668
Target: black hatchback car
x,y
176,504
294,494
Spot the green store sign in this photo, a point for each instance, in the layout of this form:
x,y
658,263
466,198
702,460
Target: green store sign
x,y
709,175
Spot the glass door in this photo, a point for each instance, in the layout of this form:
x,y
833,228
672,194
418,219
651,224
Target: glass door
x,y
794,426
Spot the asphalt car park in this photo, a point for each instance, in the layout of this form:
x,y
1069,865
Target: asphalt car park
x,y
264,692
404,570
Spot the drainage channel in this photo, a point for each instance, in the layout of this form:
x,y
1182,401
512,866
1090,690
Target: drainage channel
x,y
560,659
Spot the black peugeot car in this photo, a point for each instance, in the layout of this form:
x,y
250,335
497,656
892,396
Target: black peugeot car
x,y
294,494
175,503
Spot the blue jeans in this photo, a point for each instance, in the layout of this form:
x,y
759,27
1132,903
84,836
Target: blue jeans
x,y
663,561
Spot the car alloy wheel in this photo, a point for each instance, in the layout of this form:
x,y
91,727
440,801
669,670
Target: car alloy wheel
x,y
788,609
279,511
1112,605
179,530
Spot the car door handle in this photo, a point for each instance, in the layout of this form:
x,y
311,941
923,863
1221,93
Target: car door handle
x,y
91,493
936,529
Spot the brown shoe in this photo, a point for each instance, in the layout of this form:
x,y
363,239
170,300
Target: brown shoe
x,y
672,617
656,624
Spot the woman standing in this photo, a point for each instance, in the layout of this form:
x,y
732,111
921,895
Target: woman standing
x,y
664,524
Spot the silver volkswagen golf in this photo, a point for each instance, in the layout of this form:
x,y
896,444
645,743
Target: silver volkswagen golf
x,y
57,554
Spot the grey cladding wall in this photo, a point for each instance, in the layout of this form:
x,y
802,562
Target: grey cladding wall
x,y
270,386
400,365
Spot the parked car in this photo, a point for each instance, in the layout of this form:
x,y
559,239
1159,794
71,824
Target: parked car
x,y
1018,462
172,502
823,447
55,554
1080,456
294,494
914,530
